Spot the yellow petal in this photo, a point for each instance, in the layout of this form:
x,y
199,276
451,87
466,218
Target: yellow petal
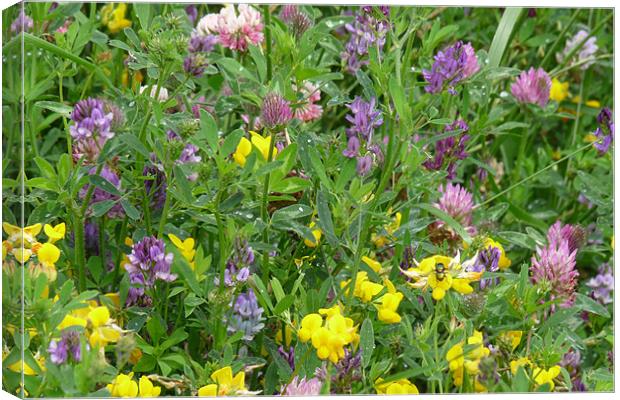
x,y
208,391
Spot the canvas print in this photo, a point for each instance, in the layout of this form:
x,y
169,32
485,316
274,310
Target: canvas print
x,y
253,199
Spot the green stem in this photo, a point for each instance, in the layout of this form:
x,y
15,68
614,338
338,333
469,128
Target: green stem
x,y
267,18
264,213
164,213
535,174
120,240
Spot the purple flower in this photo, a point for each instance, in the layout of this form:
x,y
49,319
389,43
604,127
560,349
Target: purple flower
x,y
156,187
348,371
192,13
23,23
449,150
195,65
100,195
148,263
364,164
302,387
353,147
487,260
201,44
452,65
366,32
586,52
238,265
533,86
574,235
602,284
364,117
605,131
276,111
93,121
554,265
67,347
188,155
246,316
289,356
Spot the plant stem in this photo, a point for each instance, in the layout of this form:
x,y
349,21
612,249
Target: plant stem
x,y
264,213
164,212
267,18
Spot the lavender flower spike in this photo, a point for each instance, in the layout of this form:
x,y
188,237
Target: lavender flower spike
x,y
452,65
605,131
247,316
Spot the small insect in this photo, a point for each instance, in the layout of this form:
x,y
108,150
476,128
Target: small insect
x,y
440,271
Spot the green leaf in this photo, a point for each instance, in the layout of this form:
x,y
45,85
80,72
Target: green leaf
x,y
519,239
503,34
143,11
208,129
104,184
155,328
235,70
400,101
131,211
286,214
102,207
56,107
231,142
284,304
586,303
325,218
367,341
458,228
47,170
135,144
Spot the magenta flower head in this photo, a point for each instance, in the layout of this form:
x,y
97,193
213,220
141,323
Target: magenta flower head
x,y
574,235
533,86
302,387
457,202
554,265
452,65
276,111
296,20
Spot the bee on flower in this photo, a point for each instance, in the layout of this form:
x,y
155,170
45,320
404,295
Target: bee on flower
x,y
440,274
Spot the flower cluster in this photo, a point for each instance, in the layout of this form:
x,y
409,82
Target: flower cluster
x,y
463,359
225,384
605,131
533,86
68,347
555,264
450,150
602,284
302,387
308,109
276,111
585,55
147,263
296,20
329,332
93,124
364,119
233,30
366,291
246,316
452,65
245,146
366,32
23,23
238,265
124,386
540,375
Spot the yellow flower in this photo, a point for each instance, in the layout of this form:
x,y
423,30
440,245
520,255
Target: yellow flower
x,y
21,254
288,335
186,247
460,360
114,18
309,324
263,144
401,386
559,90
244,148
387,309
520,362
542,376
48,254
102,331
21,242
123,386
364,289
442,273
16,233
373,264
147,389
55,233
381,240
225,384
317,233
512,337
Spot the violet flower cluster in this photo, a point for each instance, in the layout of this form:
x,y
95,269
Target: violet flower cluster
x,y
602,285
605,131
246,316
452,65
238,265
348,371
65,349
148,263
23,23
449,150
555,265
366,31
532,86
234,29
364,119
199,46
93,121
585,53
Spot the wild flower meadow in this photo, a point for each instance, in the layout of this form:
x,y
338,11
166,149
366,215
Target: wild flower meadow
x,y
219,200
